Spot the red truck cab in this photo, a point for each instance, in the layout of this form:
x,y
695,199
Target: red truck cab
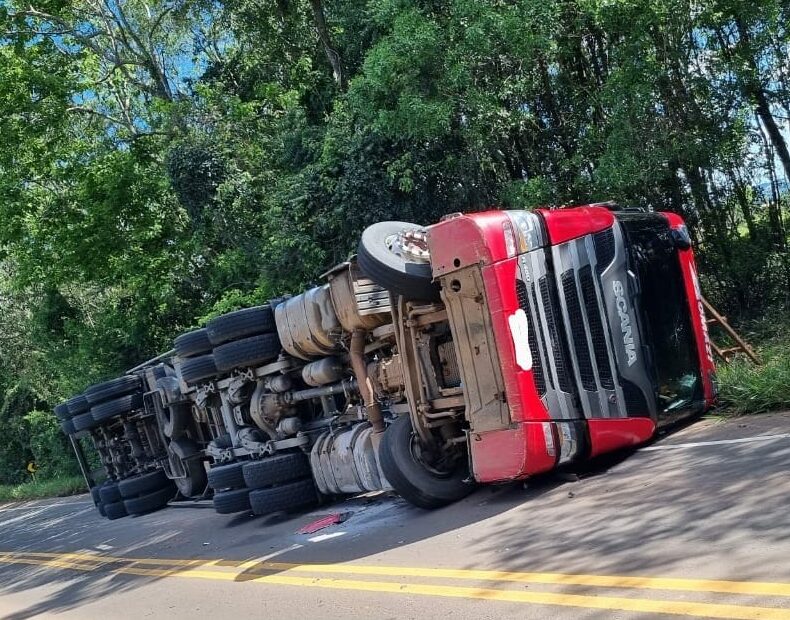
x,y
579,331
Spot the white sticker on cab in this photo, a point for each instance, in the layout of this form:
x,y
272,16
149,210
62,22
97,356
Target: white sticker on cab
x,y
519,330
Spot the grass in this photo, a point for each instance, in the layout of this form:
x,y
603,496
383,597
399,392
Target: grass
x,y
58,487
746,388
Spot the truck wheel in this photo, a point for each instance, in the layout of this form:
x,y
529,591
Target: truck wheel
x,y
77,405
228,502
144,483
67,426
116,407
252,351
381,259
197,369
114,510
240,324
271,470
109,494
414,480
190,344
112,389
230,476
177,417
285,497
62,411
83,422
150,501
183,448
195,483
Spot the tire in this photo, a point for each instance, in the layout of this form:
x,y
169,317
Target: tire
x,y
150,501
116,407
276,469
77,405
100,508
114,510
195,483
286,497
112,389
67,426
144,483
177,418
192,343
95,496
62,411
228,502
197,369
109,493
411,479
82,422
240,324
402,276
252,351
183,448
230,476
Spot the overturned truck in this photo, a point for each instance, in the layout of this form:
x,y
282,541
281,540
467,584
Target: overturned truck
x,y
487,347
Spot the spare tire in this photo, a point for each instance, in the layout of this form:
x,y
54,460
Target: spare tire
x,y
116,407
177,418
192,343
253,351
380,260
197,369
112,389
195,482
240,324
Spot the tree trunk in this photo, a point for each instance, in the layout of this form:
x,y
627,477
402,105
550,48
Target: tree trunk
x,y
319,19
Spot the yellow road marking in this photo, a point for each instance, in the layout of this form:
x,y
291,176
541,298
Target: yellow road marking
x,y
611,603
195,569
755,588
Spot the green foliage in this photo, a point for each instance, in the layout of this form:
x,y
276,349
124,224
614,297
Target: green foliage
x,y
749,388
49,447
40,489
162,163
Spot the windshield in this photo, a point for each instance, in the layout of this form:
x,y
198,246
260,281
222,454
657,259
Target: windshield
x,y
664,308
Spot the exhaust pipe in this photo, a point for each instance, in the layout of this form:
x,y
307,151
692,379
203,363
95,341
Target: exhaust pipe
x,y
357,355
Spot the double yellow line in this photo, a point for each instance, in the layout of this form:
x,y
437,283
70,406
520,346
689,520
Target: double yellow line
x,y
278,573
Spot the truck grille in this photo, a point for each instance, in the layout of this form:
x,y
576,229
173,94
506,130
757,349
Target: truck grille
x,y
559,356
600,348
578,331
537,363
574,365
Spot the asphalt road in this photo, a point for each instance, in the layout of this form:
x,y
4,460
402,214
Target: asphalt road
x,y
698,524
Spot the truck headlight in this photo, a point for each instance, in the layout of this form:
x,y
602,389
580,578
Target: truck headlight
x,y
529,233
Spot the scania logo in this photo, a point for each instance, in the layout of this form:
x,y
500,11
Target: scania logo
x,y
625,321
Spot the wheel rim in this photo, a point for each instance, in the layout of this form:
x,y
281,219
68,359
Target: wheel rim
x,y
410,245
416,452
